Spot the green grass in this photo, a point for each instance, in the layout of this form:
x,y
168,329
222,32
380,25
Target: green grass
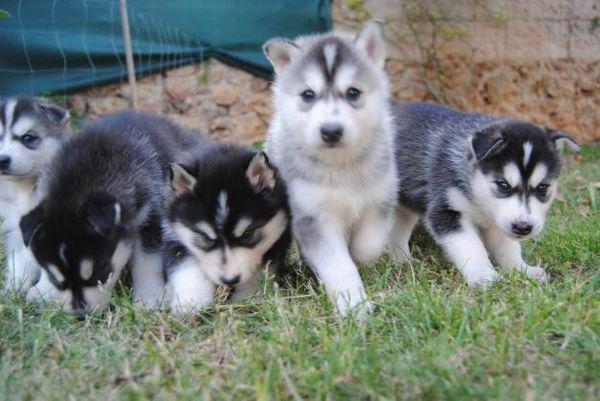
x,y
430,338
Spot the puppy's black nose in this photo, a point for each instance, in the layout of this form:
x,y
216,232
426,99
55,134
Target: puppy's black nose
x,y
4,162
521,228
231,281
331,133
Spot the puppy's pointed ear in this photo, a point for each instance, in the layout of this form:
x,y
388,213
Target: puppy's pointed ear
x,y
57,115
102,212
260,174
280,52
371,41
182,181
488,142
561,138
30,223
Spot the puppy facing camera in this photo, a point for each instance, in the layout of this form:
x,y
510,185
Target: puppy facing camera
x,y
330,136
32,130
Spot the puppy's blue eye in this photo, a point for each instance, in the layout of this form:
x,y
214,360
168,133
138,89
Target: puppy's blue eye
x,y
28,139
352,94
308,96
542,189
503,187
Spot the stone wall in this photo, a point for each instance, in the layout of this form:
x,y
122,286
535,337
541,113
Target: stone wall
x,y
534,60
223,102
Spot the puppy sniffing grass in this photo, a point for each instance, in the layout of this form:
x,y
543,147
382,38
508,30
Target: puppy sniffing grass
x,y
104,210
229,217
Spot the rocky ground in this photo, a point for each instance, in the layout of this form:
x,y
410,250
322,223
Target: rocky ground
x,y
223,102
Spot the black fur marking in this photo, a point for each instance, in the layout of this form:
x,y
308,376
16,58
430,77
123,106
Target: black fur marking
x,y
100,211
221,168
442,220
151,232
30,223
343,55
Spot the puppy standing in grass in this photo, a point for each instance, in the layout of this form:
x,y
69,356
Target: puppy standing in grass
x,y
32,130
482,183
332,139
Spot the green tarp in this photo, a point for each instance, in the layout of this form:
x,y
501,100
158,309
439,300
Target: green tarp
x,y
58,45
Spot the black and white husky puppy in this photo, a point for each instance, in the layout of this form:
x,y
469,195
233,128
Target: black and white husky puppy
x,y
32,130
229,216
482,184
332,139
104,208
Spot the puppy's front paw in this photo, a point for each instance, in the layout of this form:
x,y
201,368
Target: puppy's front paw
x,y
400,256
536,273
148,300
16,286
41,293
353,302
34,294
186,303
482,278
187,308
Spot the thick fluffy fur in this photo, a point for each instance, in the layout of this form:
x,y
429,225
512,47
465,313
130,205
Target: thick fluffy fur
x,y
331,137
31,132
229,216
106,193
482,183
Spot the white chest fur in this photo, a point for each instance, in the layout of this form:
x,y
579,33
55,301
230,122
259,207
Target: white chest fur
x,y
342,204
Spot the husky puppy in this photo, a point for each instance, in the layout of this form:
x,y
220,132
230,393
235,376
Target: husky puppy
x,y
104,208
332,139
482,184
229,216
31,132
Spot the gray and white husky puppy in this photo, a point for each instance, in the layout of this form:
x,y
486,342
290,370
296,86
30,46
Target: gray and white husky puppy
x,y
482,184
103,210
32,130
332,139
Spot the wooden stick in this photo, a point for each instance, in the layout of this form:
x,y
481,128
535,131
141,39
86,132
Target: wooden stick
x,y
129,55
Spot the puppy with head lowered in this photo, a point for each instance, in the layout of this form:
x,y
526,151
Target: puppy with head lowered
x,y
229,217
32,130
332,139
103,210
482,184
